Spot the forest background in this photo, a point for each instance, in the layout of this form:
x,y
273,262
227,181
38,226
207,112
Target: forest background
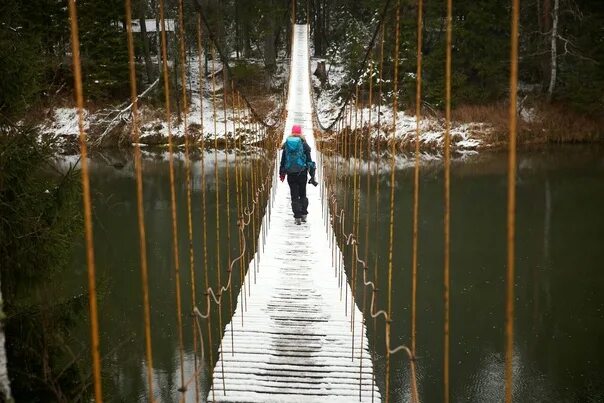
x,y
561,48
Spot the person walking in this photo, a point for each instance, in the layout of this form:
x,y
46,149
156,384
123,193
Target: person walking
x,y
296,163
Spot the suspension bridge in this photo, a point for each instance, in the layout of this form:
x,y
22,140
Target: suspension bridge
x,y
298,334
295,337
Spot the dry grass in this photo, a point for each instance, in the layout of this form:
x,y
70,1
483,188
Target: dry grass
x,y
262,104
551,124
251,81
495,115
557,124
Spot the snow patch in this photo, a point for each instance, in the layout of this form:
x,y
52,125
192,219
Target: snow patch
x,y
431,130
529,115
65,123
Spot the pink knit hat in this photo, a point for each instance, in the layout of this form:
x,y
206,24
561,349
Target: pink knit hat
x,y
296,129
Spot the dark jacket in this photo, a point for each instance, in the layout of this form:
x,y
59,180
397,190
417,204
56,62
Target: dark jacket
x,y
309,162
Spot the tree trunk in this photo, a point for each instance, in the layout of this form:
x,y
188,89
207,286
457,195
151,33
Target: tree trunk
x,y
157,38
554,52
321,73
220,33
318,28
247,47
215,17
539,16
145,39
237,22
546,15
326,23
5,391
308,12
270,52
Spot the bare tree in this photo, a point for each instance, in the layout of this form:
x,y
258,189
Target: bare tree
x,y
554,51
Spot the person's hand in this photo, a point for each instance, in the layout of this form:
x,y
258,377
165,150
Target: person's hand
x,y
282,177
313,181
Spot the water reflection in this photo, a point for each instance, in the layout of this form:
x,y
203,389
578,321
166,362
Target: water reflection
x,y
164,383
117,251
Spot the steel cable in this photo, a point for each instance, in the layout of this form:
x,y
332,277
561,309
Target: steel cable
x,y
135,136
176,262
511,205
447,206
87,203
183,78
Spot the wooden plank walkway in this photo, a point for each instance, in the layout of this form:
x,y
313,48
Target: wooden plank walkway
x,y
291,339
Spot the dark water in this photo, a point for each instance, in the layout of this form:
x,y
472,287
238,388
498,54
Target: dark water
x,y
559,344
119,278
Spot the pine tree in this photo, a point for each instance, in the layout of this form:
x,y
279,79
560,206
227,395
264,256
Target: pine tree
x,y
104,49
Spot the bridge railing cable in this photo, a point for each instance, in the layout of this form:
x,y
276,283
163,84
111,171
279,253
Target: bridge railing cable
x,y
252,216
511,203
87,203
249,215
338,214
135,135
256,126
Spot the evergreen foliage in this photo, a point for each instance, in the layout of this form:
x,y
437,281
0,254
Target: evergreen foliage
x,y
104,49
480,48
38,210
32,37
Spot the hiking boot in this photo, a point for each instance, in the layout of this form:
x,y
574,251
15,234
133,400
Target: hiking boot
x,y
304,218
298,221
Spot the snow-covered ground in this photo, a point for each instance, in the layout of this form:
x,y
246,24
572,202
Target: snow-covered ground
x,y
64,122
213,121
464,136
206,114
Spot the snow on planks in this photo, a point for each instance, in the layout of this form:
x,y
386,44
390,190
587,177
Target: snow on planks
x,y
291,338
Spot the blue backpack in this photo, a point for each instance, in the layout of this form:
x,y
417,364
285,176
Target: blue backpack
x,y
295,157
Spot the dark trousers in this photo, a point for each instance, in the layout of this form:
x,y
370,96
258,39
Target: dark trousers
x,y
297,187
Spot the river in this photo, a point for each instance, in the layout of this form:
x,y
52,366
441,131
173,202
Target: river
x,y
559,317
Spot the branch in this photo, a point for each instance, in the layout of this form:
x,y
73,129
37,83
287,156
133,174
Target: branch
x,y
568,51
536,54
122,115
544,33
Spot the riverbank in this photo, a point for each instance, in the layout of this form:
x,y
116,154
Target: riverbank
x,y
217,116
235,128
473,127
465,136
217,129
